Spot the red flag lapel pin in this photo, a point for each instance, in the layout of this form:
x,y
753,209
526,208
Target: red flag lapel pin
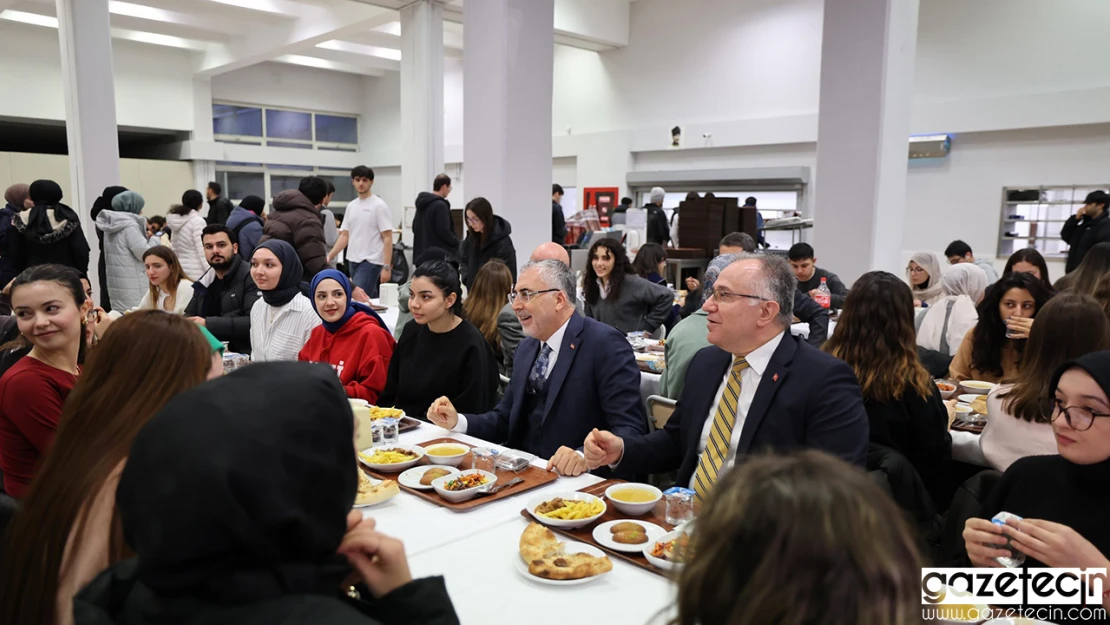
x,y
572,345
775,378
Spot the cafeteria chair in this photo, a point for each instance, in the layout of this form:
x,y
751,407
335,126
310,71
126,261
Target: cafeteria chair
x,y
659,411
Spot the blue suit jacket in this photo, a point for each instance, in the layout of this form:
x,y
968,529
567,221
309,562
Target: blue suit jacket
x,y
806,399
595,384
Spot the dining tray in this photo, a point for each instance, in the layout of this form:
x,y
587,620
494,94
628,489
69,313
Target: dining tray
x,y
963,426
533,477
407,424
658,516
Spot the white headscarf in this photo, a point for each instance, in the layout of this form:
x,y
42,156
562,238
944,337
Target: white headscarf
x,y
931,264
965,279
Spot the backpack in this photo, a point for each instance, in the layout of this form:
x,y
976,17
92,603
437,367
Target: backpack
x,y
400,264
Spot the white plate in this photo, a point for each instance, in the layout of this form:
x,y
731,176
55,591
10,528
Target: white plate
x,y
604,536
571,547
666,565
374,481
967,398
392,468
564,523
411,477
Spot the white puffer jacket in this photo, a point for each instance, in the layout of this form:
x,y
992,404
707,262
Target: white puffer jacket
x,y
187,244
124,243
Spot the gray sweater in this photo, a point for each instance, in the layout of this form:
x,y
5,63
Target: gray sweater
x,y
641,306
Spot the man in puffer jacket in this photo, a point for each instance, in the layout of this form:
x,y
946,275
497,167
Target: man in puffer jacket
x,y
125,242
246,222
295,220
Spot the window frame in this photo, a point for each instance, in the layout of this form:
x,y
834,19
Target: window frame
x,y
268,171
265,139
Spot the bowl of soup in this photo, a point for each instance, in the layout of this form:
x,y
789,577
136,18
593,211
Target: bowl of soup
x,y
633,499
449,454
976,387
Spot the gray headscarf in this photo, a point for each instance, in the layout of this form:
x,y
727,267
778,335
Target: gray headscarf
x,y
931,264
716,266
128,202
965,279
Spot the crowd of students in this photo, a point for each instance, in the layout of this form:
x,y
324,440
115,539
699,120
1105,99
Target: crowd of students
x,y
102,407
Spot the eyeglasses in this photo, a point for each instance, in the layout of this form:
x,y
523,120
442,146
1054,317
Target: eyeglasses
x,y
526,295
1079,419
918,270
473,220
724,297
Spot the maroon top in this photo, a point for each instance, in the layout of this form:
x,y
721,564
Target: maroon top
x,y
31,397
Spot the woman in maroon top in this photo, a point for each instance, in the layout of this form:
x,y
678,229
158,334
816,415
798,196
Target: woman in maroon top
x,y
50,308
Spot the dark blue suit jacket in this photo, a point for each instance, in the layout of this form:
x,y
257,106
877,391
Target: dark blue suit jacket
x,y
806,399
595,384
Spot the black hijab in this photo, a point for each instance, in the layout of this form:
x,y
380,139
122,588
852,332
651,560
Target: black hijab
x,y
47,195
104,202
238,491
1097,365
291,273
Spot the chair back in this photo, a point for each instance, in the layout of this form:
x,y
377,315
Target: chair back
x,y
659,411
966,503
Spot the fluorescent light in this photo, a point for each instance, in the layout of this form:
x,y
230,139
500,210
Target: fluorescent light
x,y
356,48
308,61
392,28
29,18
137,10
268,6
158,39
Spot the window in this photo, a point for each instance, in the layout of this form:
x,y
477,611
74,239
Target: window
x,y
239,185
283,183
1033,217
283,128
344,190
243,179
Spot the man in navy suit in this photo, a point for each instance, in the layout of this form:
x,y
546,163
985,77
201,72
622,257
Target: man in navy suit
x,y
571,375
756,389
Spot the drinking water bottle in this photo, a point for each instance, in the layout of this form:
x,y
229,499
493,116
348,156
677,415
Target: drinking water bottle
x,y
1016,558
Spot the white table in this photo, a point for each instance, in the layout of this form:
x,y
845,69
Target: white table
x,y
802,329
389,315
650,384
476,550
965,448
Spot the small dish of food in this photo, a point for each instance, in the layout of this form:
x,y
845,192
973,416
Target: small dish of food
x,y
670,551
962,411
967,398
544,559
977,387
947,388
459,487
634,499
568,510
391,459
627,535
450,454
421,478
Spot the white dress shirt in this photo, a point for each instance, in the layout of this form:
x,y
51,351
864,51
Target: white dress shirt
x,y
749,383
555,342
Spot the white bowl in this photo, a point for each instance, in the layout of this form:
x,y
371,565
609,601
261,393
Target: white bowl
x,y
977,387
451,461
963,410
392,468
947,394
456,496
566,523
634,509
664,564
967,398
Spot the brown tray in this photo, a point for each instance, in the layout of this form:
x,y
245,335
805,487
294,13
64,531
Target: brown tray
x,y
974,428
407,424
658,516
533,476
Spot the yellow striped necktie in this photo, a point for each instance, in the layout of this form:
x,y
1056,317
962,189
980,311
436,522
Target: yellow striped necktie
x,y
720,435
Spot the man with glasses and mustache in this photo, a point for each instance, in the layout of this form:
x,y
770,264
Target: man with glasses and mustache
x,y
571,375
224,295
756,389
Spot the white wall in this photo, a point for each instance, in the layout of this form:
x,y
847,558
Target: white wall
x,y
294,86
154,84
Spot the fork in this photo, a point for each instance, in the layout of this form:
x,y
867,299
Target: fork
x,y
493,490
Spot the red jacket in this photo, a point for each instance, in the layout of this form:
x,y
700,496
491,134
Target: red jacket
x,y
359,352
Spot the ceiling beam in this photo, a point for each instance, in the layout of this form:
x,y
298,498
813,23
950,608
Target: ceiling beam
x,y
316,25
312,61
354,58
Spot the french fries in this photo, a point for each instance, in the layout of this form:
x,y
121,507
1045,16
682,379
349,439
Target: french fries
x,y
573,510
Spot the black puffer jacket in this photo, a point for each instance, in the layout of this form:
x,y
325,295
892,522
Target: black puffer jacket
x,y
219,210
431,226
297,222
65,245
236,300
472,254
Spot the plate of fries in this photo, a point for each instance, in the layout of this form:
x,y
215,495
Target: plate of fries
x,y
378,412
567,510
391,459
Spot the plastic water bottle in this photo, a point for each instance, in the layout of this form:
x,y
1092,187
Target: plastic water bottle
x,y
1016,558
824,295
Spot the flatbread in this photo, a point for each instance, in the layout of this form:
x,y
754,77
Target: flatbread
x,y
370,493
545,557
537,541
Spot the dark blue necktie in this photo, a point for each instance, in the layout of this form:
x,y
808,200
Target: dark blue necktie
x,y
536,377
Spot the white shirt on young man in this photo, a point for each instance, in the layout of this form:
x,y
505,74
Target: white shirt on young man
x,y
758,361
555,342
365,220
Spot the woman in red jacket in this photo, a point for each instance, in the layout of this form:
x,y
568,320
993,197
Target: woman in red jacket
x,y
353,339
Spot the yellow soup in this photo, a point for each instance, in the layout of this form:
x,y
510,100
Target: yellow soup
x,y
446,451
633,495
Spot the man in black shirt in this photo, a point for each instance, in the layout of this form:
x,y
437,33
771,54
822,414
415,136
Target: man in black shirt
x,y
219,207
658,228
558,222
804,264
1087,227
224,295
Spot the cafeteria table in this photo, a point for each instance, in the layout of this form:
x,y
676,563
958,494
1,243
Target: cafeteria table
x,y
965,448
389,315
475,553
802,329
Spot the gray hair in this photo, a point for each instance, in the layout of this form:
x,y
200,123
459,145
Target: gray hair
x,y
656,195
777,283
556,275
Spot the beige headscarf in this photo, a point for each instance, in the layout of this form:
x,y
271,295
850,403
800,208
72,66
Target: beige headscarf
x,y
17,194
933,289
965,279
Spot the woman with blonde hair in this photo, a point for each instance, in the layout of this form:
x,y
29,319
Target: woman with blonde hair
x,y
170,290
800,538
487,308
924,274
68,529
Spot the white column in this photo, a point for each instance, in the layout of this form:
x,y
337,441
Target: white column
x,y
421,100
89,88
867,64
203,171
507,76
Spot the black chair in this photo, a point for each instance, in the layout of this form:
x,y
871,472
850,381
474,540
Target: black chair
x,y
909,492
966,504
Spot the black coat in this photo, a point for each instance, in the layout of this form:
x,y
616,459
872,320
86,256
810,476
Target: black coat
x,y
1082,235
62,246
472,254
917,428
9,244
431,225
219,210
558,223
658,229
238,297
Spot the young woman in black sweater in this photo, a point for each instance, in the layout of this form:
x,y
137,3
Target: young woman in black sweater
x,y
440,354
875,335
1061,498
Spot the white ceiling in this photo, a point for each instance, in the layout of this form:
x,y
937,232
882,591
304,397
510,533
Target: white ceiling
x,y
357,36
